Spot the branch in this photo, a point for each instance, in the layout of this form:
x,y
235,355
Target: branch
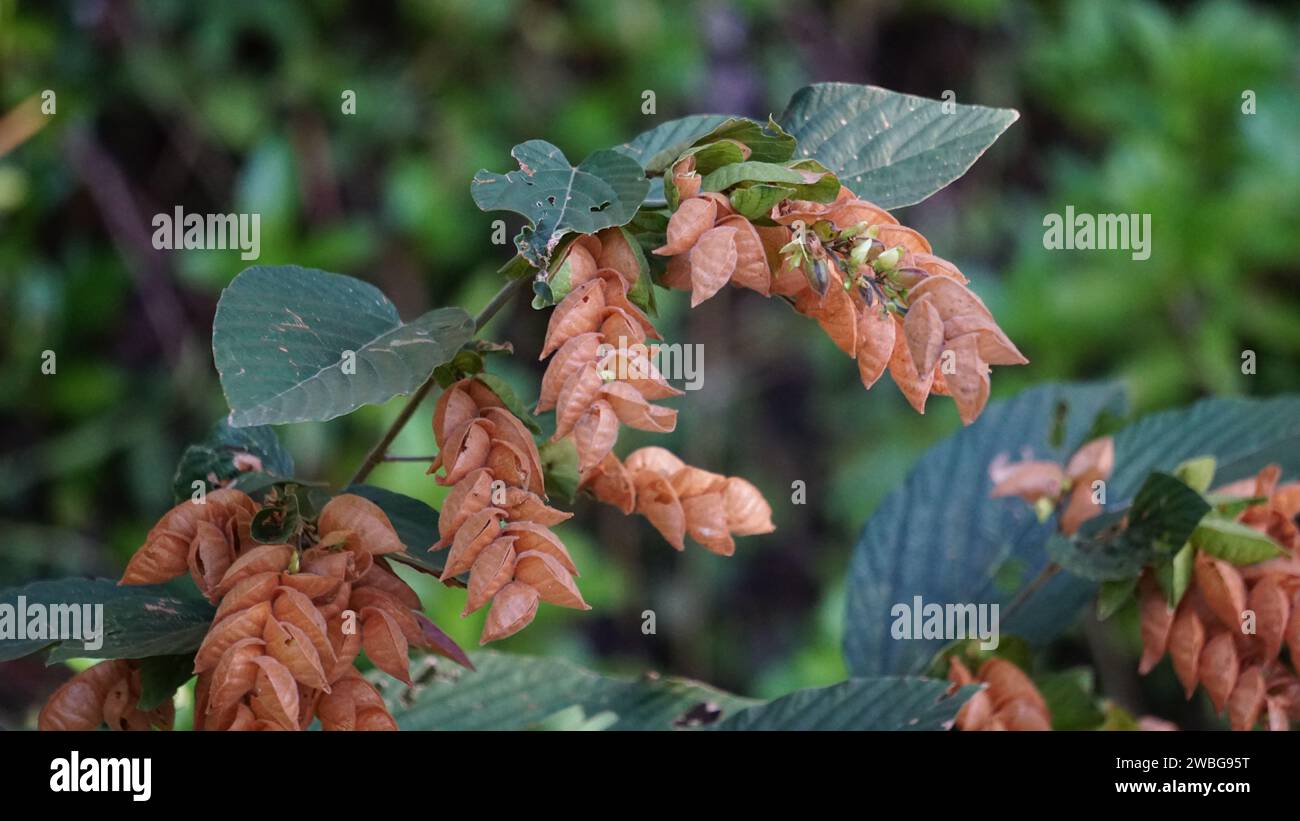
x,y
1050,570
380,450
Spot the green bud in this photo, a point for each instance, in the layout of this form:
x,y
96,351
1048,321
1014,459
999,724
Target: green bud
x,y
1043,508
858,256
854,230
888,260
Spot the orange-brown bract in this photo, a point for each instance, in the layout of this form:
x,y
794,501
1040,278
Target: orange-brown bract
x,y
1009,701
107,693
496,520
932,333
602,375
1209,638
1034,480
288,626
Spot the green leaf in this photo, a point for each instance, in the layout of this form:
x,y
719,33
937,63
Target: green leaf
x,y
755,202
557,199
939,535
1070,699
1234,542
708,158
160,676
1243,436
560,464
1198,474
1113,595
212,461
886,703
1118,544
520,692
809,180
280,336
138,621
892,149
1230,507
415,522
1181,568
656,149
642,292
767,142
278,523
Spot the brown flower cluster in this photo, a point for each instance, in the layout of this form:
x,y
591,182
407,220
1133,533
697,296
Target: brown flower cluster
x,y
1039,482
495,519
1210,638
873,285
602,374
681,500
1009,700
106,693
290,622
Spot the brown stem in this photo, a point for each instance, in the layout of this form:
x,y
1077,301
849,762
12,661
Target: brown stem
x,y
380,450
1050,570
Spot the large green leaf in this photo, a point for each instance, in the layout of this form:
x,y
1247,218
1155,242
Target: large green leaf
x,y
893,149
656,148
886,703
604,190
1243,436
941,537
213,460
280,336
521,692
138,621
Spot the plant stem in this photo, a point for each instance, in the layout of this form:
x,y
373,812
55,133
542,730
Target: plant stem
x,y
380,450
1050,570
391,458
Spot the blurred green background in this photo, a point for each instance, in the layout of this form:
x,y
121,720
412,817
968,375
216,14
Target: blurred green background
x,y
1126,107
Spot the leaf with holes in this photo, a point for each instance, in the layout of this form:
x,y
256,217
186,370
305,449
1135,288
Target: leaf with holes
x,y
296,344
557,199
892,149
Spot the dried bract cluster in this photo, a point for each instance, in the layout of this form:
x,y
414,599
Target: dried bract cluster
x,y
291,619
496,520
107,693
1009,700
873,285
1228,632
